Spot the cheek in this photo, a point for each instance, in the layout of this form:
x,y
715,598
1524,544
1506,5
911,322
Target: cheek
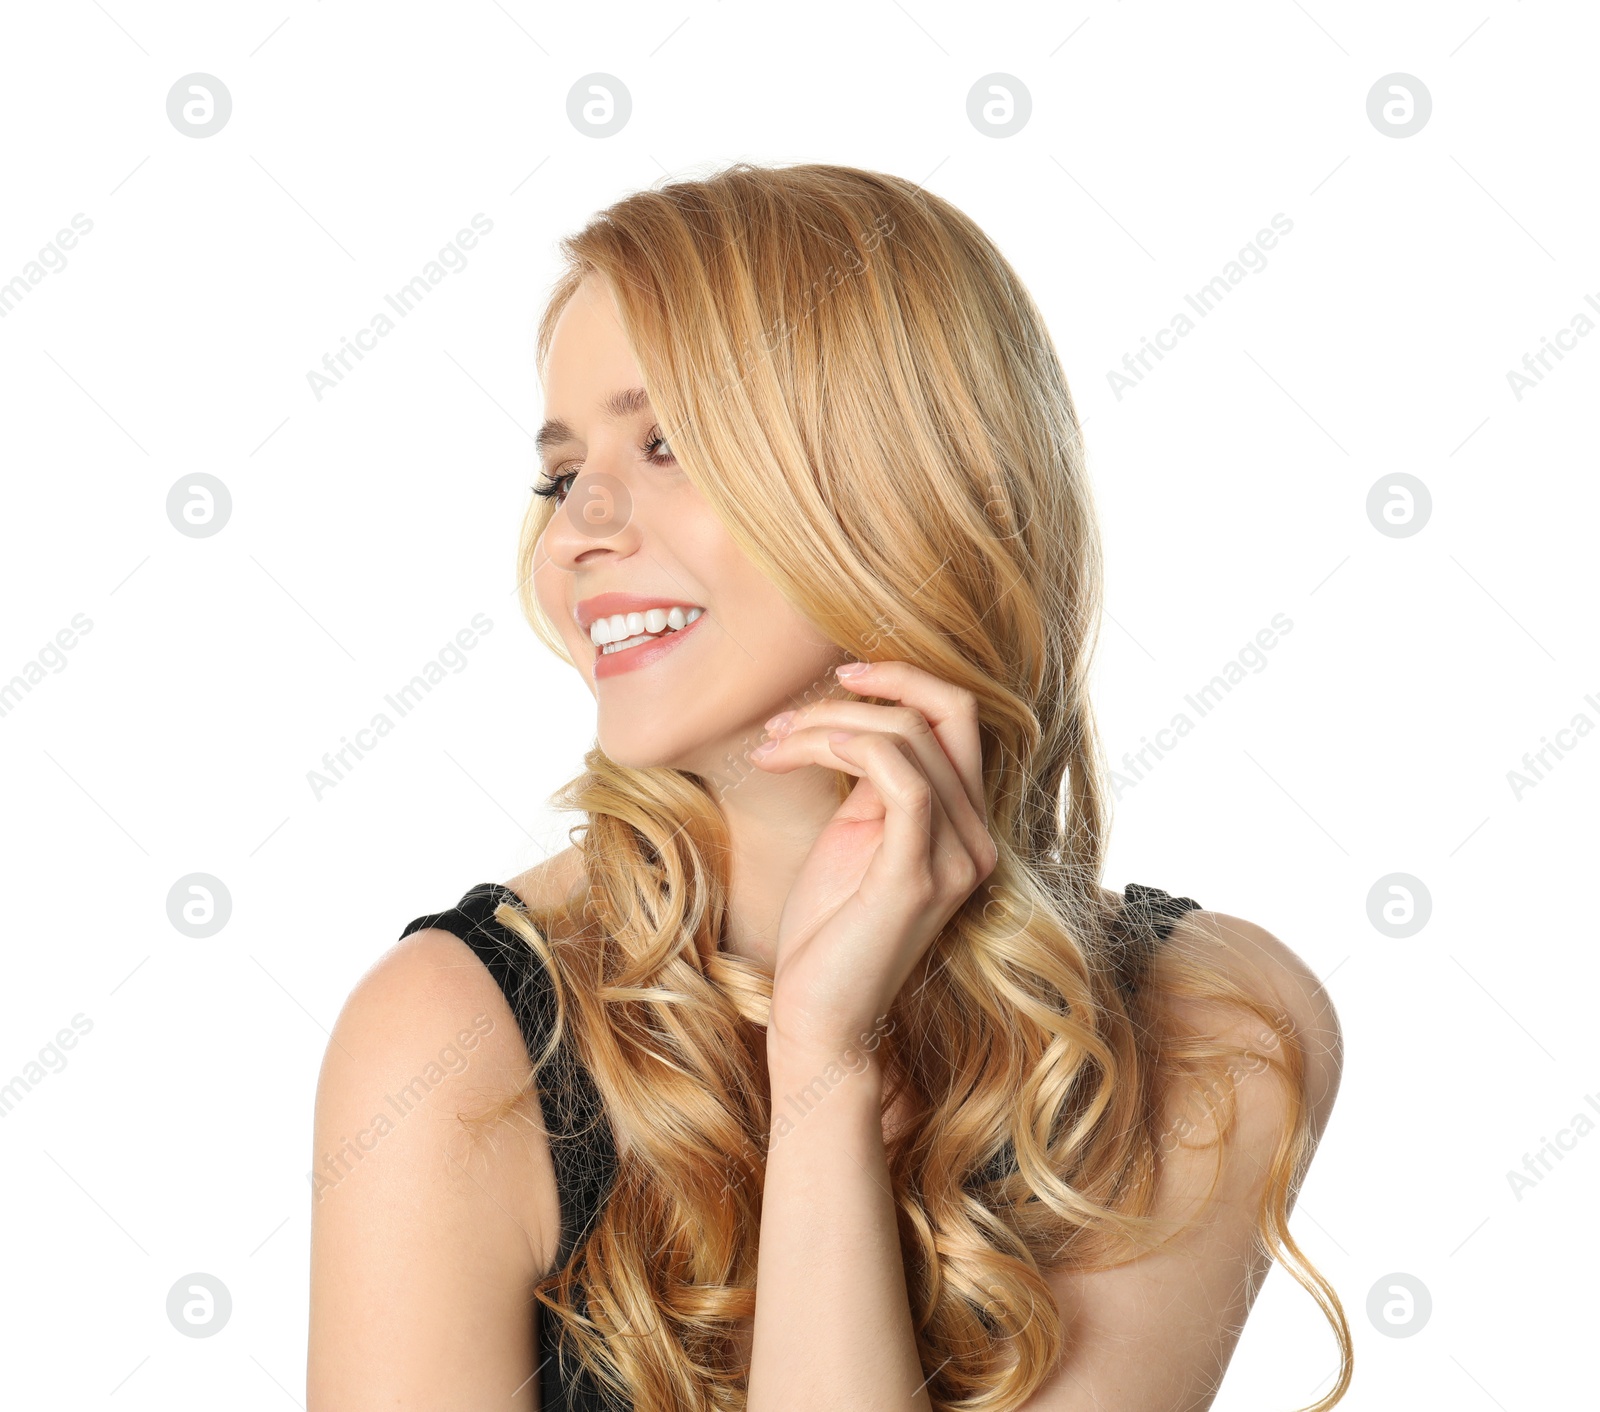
x,y
785,650
549,591
546,594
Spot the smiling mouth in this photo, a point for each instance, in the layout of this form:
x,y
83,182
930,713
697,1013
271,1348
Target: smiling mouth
x,y
622,631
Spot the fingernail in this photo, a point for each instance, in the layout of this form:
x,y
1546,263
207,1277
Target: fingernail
x,y
840,735
765,748
780,722
851,669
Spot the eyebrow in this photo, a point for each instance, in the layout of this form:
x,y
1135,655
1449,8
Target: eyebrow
x,y
615,408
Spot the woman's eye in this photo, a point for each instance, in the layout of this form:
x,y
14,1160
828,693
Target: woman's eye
x,y
556,487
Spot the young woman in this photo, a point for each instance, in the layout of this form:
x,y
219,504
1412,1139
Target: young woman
x,y
821,1071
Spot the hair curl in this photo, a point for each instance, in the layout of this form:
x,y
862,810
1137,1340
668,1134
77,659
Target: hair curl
x,y
861,387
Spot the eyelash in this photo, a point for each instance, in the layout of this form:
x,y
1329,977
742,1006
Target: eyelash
x,y
549,486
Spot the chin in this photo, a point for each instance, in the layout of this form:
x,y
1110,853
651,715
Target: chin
x,y
642,748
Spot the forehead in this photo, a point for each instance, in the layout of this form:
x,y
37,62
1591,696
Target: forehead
x,y
590,375
587,324
588,349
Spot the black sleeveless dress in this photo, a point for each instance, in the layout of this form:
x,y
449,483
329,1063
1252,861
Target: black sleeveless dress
x,y
582,1148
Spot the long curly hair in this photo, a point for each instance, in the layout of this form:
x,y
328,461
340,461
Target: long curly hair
x,y
859,384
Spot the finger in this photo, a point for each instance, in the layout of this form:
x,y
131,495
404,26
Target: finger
x,y
920,844
951,711
910,725
943,842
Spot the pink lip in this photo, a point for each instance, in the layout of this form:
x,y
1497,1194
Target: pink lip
x,y
610,664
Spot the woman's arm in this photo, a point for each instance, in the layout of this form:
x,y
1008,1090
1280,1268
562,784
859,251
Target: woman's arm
x,y
833,1324
833,1318
425,1239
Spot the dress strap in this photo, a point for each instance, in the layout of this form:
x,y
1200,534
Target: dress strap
x,y
1145,920
1151,907
582,1145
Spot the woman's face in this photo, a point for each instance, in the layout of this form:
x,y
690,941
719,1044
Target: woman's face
x,y
631,532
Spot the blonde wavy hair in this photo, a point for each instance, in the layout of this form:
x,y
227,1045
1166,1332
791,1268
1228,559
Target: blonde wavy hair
x,y
858,383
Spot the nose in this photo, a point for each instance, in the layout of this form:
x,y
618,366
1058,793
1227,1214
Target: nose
x,y
595,519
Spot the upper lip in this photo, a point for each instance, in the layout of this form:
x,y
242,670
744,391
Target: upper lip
x,y
605,605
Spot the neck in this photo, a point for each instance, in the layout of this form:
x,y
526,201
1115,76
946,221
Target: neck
x,y
772,822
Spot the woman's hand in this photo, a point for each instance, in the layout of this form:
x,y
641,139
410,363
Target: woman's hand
x,y
891,867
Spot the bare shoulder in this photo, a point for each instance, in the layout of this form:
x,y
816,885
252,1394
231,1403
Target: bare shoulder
x,y
1266,968
430,1219
1160,1329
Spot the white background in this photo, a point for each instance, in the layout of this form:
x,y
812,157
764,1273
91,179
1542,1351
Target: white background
x,y
369,527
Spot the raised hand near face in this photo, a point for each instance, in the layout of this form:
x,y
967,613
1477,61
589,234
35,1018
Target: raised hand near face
x,y
892,866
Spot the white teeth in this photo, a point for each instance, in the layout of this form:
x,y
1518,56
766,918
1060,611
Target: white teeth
x,y
624,630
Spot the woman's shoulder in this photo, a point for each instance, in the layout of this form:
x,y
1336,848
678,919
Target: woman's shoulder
x,y
460,966
430,1048
1266,968
434,1201
425,957
1220,1146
